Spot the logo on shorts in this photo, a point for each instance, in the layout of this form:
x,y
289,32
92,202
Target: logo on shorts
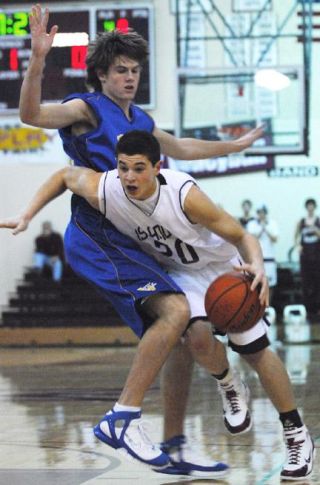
x,y
148,287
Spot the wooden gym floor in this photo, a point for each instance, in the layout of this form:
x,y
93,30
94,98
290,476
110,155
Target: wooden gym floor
x,y
52,397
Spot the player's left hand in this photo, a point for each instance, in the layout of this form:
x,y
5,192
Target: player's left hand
x,y
259,278
245,141
41,41
18,224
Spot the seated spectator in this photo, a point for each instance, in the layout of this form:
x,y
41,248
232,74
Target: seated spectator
x,y
307,238
246,209
266,231
49,251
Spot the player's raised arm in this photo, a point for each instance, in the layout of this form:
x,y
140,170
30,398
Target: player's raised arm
x,y
194,149
81,181
41,43
30,108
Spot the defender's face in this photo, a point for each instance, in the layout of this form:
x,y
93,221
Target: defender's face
x,y
137,175
121,81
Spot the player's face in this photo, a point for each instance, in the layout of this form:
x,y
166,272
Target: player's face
x,y
137,175
121,81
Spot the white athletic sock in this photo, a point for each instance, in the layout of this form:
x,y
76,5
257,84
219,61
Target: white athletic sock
x,y
121,407
227,379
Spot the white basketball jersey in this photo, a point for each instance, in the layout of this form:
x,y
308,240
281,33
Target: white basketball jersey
x,y
159,224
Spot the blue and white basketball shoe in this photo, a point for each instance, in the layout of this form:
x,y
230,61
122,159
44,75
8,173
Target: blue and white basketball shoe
x,y
185,461
124,431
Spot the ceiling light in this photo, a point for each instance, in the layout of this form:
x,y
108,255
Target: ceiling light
x,y
271,79
67,39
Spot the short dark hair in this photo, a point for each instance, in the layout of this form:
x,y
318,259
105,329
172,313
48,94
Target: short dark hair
x,y
310,201
107,47
139,142
246,201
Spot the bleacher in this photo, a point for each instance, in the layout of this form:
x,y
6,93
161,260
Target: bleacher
x,y
39,301
288,290
42,312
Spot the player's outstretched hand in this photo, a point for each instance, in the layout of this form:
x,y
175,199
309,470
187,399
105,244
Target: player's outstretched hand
x,y
259,278
18,224
41,41
245,141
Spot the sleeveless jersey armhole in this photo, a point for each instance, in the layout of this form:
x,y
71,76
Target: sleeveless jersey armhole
x,y
102,194
89,100
184,190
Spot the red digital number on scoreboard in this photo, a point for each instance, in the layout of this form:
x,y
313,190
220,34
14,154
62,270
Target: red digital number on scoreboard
x,y
78,56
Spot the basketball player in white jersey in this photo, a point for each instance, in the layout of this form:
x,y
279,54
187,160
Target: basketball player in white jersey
x,y
173,220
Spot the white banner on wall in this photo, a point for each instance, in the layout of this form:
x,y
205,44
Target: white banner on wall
x,y
250,5
22,143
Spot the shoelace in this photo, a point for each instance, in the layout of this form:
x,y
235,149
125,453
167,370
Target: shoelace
x,y
294,451
233,401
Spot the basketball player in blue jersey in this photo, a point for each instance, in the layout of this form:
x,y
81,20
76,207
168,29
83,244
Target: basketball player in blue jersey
x,y
171,219
90,125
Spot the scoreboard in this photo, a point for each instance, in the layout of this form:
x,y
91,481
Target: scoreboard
x,y
62,74
65,68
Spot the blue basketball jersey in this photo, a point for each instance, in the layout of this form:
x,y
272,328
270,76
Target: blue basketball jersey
x,y
96,149
94,248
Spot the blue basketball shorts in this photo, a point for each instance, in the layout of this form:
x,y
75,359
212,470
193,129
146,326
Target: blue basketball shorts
x,y
115,265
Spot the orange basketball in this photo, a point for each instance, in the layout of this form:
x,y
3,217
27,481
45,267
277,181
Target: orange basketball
x,y
230,304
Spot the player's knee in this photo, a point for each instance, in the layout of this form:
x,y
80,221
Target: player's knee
x,y
175,309
199,337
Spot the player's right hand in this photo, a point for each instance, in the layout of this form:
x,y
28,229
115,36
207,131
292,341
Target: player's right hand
x,y
41,41
18,224
259,278
247,140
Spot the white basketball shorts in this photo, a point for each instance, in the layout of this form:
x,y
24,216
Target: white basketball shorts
x,y
195,284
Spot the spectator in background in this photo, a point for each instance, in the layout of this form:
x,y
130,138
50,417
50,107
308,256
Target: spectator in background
x,y
49,251
307,238
266,231
246,209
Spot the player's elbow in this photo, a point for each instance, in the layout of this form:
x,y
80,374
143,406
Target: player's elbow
x,y
35,116
75,180
26,118
29,118
67,177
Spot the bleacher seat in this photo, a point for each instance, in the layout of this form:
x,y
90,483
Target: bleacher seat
x,y
39,301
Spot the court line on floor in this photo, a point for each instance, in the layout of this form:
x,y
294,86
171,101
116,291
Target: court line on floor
x,y
269,475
